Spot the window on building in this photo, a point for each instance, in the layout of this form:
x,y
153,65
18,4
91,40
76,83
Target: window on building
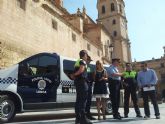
x,y
115,33
108,42
73,37
114,22
88,46
112,7
162,65
120,7
103,9
98,52
54,24
22,4
163,77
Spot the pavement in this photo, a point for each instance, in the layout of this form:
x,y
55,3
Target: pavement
x,y
67,117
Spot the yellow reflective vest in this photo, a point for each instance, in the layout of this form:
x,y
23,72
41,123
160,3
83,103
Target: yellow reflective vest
x,y
131,74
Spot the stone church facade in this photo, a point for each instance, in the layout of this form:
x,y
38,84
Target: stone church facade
x,y
33,26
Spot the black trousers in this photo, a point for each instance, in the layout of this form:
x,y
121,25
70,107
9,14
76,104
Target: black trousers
x,y
89,98
81,98
114,87
131,90
152,95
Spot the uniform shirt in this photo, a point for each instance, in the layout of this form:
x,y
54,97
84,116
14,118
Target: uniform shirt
x,y
130,77
77,65
112,70
147,77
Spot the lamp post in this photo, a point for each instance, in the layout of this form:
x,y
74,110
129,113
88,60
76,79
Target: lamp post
x,y
164,50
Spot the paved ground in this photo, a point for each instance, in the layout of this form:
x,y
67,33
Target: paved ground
x,y
66,117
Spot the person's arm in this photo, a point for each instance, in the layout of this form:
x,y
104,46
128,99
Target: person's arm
x,y
114,74
105,76
80,71
138,80
154,78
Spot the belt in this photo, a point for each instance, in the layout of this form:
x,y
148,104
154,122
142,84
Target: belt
x,y
113,79
149,85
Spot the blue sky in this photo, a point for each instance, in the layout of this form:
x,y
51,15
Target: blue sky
x,y
146,24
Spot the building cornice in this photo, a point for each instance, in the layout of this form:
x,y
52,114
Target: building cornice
x,y
63,10
118,14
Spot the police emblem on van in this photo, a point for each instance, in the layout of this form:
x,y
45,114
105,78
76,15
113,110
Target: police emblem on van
x,y
41,86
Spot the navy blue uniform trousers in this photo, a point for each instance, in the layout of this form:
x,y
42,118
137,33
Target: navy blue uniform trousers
x,y
81,97
131,90
114,87
89,98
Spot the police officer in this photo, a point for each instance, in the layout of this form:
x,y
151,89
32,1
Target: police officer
x,y
114,78
130,88
90,74
80,77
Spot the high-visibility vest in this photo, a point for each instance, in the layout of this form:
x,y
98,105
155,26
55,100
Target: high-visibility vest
x,y
131,74
77,63
77,66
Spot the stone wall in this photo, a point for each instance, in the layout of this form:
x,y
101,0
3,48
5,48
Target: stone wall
x,y
28,31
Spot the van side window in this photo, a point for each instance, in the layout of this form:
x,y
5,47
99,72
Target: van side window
x,y
68,67
47,64
28,68
38,66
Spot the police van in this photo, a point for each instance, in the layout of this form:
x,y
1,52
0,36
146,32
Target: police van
x,y
40,82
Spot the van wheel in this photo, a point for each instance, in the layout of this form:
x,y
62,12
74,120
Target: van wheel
x,y
108,109
7,108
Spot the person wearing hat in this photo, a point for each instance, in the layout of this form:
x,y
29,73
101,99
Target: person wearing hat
x,y
80,81
90,73
114,78
130,88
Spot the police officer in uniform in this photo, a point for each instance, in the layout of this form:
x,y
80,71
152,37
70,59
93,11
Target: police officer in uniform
x,y
90,79
80,77
130,88
114,77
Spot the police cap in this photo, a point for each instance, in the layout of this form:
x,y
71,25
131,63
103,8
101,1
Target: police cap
x,y
82,53
115,59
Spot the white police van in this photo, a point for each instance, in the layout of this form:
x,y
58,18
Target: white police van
x,y
40,82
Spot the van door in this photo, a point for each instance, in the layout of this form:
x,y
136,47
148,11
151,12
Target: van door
x,y
38,80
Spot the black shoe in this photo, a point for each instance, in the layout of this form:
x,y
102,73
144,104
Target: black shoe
x,y
77,121
146,117
139,116
158,117
125,116
90,117
85,120
120,116
117,117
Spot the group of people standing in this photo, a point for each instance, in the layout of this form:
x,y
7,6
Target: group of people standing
x,y
83,77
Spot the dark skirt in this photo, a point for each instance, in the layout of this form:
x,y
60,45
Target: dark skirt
x,y
100,87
